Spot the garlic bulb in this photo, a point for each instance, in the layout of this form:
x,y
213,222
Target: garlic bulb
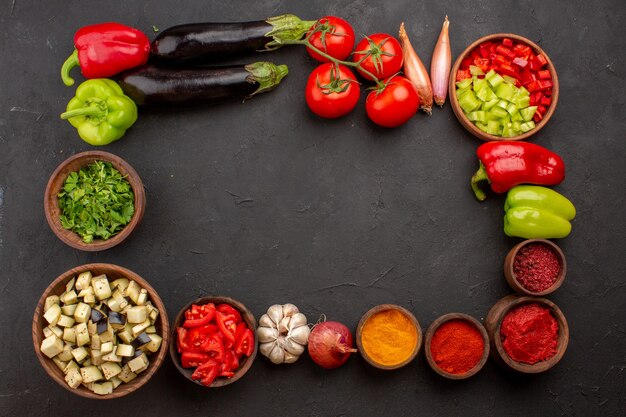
x,y
283,333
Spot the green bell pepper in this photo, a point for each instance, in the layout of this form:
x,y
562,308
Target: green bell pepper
x,y
100,111
537,212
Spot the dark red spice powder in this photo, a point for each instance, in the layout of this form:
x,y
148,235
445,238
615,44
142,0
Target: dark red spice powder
x,y
457,346
536,266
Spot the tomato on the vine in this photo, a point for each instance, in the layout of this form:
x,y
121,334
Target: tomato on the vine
x,y
332,91
331,35
394,104
380,54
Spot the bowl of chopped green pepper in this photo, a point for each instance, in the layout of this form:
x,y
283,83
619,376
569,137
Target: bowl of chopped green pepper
x,y
94,200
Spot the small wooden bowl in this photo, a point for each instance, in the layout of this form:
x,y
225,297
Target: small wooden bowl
x,y
55,184
458,111
429,336
244,364
493,322
512,279
113,272
378,309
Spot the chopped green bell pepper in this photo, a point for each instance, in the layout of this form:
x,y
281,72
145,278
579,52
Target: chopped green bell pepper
x,y
537,212
100,112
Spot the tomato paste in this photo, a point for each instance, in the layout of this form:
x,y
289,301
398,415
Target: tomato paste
x,y
529,334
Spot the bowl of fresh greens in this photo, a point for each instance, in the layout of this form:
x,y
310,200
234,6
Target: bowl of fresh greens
x,y
94,200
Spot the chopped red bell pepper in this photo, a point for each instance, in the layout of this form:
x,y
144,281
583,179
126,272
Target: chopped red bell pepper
x,y
542,110
507,42
543,85
484,49
520,62
508,70
462,75
503,50
537,117
544,75
546,101
542,60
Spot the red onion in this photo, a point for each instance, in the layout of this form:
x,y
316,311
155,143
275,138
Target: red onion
x,y
330,344
440,65
416,72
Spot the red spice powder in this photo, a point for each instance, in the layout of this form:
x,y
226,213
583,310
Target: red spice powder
x,y
529,334
536,266
457,346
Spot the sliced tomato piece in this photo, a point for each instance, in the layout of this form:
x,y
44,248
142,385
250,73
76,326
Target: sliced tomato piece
x,y
183,340
193,359
228,309
199,315
207,372
214,346
227,325
231,360
245,345
198,335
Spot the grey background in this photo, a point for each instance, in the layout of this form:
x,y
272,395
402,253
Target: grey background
x,y
265,202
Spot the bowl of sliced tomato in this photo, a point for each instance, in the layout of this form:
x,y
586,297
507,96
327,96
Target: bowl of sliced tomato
x,y
213,341
503,87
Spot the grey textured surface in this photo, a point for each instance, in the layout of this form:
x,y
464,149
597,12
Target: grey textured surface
x,y
266,203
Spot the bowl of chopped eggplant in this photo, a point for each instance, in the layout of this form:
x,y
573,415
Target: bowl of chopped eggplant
x,y
213,341
100,331
94,200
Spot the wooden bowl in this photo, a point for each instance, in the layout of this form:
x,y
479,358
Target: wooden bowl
x,y
57,287
55,184
378,309
244,364
512,279
429,336
458,111
493,322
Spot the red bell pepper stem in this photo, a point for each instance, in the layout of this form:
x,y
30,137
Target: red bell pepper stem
x,y
480,175
70,62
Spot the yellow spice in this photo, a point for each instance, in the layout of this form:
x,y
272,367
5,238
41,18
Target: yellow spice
x,y
389,337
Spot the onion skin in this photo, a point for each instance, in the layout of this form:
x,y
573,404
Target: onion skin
x,y
330,344
416,72
440,65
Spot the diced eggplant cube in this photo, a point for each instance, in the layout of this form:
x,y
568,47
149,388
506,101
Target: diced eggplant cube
x,y
126,375
95,342
141,340
65,321
74,378
66,355
124,350
47,332
106,347
101,287
153,315
89,299
53,314
143,297
69,335
108,335
140,328
59,363
82,313
87,362
137,314
69,309
96,315
121,284
82,334
119,298
110,369
102,326
139,364
80,354
113,305
92,328
70,285
71,365
155,343
116,382
90,374
96,357
51,346
57,331
112,357
70,297
50,301
83,281
133,291
117,320
125,336
151,329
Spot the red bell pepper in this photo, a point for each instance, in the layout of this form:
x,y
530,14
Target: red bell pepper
x,y
105,49
506,164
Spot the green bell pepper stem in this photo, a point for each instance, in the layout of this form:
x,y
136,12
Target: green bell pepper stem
x,y
70,62
85,111
480,175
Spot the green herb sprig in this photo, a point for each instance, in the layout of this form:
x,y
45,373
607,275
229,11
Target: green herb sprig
x,y
96,202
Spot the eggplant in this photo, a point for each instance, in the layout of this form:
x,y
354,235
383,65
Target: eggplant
x,y
141,340
117,320
96,315
152,85
102,326
199,43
